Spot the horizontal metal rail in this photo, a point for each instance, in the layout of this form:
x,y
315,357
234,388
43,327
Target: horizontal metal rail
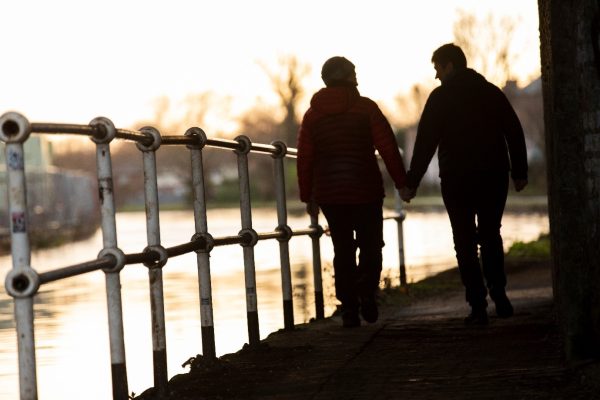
x,y
139,137
152,256
77,269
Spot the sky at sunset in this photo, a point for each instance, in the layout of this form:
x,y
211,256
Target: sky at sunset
x,y
73,60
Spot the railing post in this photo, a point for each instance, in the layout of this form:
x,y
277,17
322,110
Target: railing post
x,y
252,239
401,215
284,251
202,256
105,133
21,282
157,303
317,275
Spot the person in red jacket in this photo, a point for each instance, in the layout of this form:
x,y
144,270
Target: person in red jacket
x,y
338,173
479,139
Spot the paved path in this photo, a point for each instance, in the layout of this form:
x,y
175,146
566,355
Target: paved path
x,y
421,351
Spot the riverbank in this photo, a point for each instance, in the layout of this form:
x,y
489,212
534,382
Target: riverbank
x,y
419,349
49,238
515,203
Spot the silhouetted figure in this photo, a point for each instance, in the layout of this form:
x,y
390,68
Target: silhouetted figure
x,y
338,172
479,140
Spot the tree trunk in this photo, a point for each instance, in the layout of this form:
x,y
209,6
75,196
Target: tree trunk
x,y
571,87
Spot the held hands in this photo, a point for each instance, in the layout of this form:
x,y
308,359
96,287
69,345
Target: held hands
x,y
407,194
520,184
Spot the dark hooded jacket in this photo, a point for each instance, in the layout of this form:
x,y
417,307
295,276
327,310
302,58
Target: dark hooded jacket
x,y
336,149
474,128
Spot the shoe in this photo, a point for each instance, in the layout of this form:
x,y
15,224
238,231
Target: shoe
x,y
503,307
477,317
350,319
368,309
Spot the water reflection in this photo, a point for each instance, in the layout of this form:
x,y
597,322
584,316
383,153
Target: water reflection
x,y
72,345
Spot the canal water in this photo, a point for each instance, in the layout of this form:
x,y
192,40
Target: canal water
x,y
71,333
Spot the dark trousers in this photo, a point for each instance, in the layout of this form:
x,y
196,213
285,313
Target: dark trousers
x,y
355,227
475,205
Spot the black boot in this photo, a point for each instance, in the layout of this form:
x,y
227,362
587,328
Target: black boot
x,y
477,317
368,308
350,318
503,307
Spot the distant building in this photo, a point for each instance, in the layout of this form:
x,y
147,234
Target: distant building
x,y
38,153
61,203
528,104
171,189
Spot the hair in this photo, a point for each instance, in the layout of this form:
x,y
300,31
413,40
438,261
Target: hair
x,y
450,53
338,71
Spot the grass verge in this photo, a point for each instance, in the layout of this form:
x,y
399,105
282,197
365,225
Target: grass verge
x,y
519,254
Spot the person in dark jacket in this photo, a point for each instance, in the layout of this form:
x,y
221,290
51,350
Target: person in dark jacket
x,y
338,173
479,139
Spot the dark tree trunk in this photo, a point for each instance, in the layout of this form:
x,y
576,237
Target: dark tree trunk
x,y
571,87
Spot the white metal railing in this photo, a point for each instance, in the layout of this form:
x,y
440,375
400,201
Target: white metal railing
x,y
23,282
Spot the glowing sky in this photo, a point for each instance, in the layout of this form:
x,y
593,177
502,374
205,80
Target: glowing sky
x,y
72,60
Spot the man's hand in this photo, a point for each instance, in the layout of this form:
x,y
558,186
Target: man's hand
x,y
520,184
312,208
407,194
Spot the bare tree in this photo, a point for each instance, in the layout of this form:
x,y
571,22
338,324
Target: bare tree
x,y
410,105
162,105
197,108
127,159
487,43
260,125
287,83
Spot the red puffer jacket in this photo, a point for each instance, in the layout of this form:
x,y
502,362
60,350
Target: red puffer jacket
x,y
336,149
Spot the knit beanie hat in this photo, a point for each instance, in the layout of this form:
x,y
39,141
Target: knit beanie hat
x,y
338,70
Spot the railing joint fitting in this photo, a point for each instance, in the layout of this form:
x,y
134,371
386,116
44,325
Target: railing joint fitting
x,y
154,135
163,256
318,233
199,135
401,216
14,128
286,233
245,144
249,237
104,130
118,256
22,282
207,241
281,149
